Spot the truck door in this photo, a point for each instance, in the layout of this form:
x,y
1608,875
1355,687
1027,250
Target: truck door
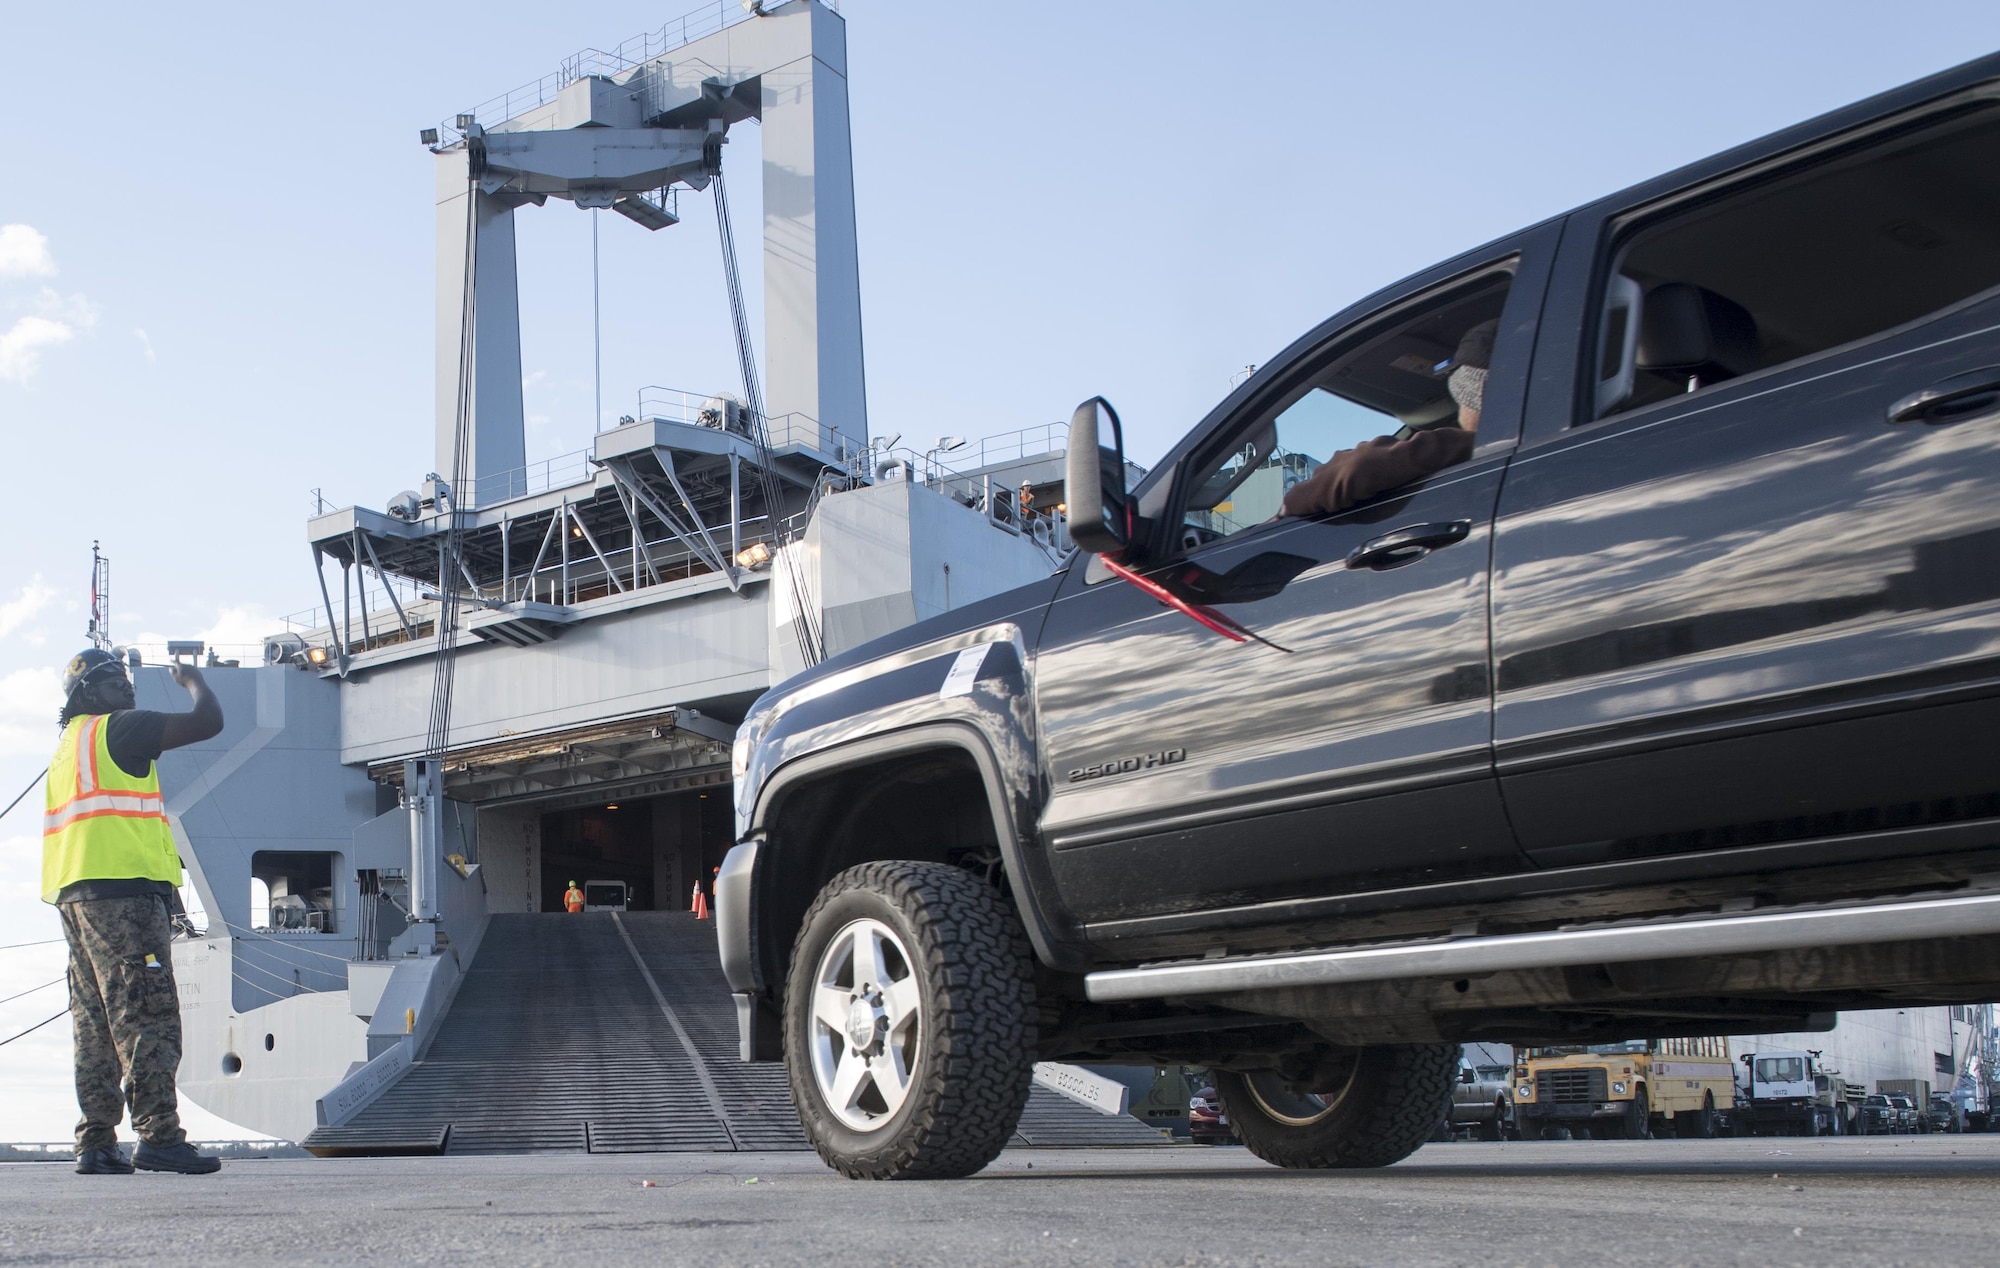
x,y
1191,776
1746,589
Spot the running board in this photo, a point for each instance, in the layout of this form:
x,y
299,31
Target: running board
x,y
1466,957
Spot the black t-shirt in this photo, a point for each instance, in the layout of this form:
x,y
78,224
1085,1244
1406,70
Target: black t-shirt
x,y
133,737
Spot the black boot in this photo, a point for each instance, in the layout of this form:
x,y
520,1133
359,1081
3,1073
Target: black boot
x,y
183,1158
103,1162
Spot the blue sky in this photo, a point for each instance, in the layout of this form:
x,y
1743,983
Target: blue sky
x,y
215,271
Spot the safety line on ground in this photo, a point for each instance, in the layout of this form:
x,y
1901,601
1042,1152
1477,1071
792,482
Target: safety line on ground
x,y
701,1073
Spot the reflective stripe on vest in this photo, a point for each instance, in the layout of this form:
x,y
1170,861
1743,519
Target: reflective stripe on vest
x,y
101,823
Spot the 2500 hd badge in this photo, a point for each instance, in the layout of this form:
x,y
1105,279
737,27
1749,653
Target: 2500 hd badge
x,y
1125,765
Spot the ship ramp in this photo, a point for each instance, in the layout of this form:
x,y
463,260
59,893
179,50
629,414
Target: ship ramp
x,y
611,1032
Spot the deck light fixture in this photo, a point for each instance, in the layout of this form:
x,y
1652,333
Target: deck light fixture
x,y
754,556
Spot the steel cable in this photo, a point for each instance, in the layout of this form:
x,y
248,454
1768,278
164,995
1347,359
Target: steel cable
x,y
297,988
262,990
32,989
251,935
45,942
804,628
32,1029
452,554
24,792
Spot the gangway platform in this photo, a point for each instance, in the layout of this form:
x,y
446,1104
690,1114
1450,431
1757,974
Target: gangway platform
x,y
557,1042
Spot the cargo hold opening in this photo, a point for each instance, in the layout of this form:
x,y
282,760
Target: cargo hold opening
x,y
657,846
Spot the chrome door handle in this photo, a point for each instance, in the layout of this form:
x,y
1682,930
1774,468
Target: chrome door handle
x,y
1407,545
1952,400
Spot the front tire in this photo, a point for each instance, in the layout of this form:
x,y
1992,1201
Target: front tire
x,y
909,1022
1379,1108
1495,1128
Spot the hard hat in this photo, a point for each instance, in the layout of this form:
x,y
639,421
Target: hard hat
x,y
91,665
572,884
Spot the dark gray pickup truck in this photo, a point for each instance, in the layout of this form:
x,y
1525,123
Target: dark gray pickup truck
x,y
1673,709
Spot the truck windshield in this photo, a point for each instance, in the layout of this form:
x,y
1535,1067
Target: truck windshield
x,y
1629,1047
1781,1069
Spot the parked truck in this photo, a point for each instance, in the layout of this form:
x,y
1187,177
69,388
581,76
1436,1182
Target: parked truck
x,y
1482,1100
1917,1092
1793,1094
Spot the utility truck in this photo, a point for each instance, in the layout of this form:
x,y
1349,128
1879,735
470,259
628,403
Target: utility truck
x,y
1791,1093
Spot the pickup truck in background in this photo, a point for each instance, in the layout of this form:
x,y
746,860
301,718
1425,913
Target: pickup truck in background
x,y
1482,1100
1665,701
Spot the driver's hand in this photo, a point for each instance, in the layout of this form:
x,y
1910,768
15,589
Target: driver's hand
x,y
183,675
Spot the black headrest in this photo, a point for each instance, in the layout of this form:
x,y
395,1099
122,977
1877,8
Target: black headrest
x,y
1688,329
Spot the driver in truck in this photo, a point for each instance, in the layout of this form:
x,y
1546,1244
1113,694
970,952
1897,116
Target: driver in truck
x,y
1354,475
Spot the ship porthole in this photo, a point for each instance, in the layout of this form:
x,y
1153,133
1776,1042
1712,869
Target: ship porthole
x,y
231,1063
270,1042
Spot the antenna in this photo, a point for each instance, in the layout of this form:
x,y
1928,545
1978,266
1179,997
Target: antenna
x,y
100,599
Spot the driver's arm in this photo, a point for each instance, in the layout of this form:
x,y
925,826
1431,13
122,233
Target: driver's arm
x,y
1355,475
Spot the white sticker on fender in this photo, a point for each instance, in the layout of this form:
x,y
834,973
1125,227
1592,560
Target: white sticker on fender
x,y
964,672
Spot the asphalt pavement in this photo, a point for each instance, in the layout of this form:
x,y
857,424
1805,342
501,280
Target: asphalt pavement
x,y
1878,1200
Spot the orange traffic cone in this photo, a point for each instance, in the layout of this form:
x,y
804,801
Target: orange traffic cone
x,y
700,905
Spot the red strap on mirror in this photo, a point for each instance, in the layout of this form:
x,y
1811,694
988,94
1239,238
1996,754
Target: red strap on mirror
x,y
1208,616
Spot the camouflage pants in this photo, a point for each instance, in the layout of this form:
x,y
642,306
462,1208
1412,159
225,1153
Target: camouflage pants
x,y
127,1018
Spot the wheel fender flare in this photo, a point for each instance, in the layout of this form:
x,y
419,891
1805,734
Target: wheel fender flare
x,y
1052,934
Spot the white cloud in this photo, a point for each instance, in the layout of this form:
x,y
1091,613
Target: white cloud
x,y
146,342
24,252
71,310
19,611
57,320
22,344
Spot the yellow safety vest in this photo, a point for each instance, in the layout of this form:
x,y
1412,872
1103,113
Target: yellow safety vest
x,y
101,823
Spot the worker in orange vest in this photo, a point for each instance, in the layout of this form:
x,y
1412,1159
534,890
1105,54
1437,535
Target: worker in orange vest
x,y
573,900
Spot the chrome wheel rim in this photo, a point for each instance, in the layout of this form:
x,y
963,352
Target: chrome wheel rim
x,y
866,1025
1295,1108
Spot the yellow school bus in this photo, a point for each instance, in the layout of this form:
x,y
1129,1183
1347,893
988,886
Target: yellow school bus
x,y
1634,1089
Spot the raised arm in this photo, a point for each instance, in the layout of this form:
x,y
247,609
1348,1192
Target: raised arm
x,y
202,722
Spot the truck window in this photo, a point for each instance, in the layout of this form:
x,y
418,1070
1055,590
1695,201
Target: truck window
x,y
1781,1070
1393,382
1847,248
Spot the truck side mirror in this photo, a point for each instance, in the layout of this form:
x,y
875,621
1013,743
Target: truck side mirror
x,y
1468,1075
1100,513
